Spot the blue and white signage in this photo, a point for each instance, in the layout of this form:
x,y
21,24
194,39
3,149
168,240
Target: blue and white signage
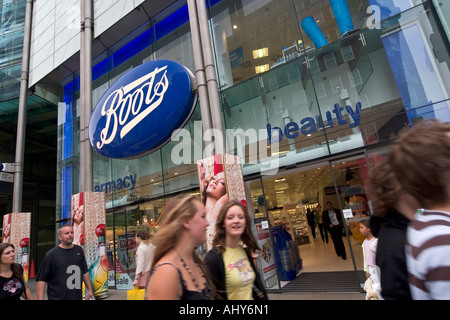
x,y
139,112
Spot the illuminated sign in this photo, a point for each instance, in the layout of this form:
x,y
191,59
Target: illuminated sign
x,y
139,112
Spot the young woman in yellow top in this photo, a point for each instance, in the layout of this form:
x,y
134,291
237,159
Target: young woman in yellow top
x,y
230,262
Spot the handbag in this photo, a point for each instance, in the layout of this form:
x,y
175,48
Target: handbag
x,y
370,293
135,294
142,282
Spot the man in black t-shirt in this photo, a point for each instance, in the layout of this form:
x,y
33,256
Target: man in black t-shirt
x,y
63,269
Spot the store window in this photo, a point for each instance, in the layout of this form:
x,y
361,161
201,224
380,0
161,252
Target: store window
x,y
364,87
122,224
12,17
241,27
443,11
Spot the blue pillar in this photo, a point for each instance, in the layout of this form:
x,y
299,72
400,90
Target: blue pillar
x,y
313,31
342,14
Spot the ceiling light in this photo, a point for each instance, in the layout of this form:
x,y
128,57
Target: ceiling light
x,y
262,68
260,53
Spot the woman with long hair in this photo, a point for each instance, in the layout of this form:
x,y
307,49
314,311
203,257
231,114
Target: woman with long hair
x,y
144,258
12,284
214,195
177,271
230,261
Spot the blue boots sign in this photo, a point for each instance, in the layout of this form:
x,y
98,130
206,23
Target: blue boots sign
x,y
139,112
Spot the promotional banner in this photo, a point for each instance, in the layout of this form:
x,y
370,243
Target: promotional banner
x,y
88,220
125,260
267,257
221,180
16,230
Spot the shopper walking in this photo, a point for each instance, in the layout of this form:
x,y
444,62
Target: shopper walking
x,y
369,248
332,219
144,259
178,273
420,160
12,284
230,261
63,270
323,231
311,221
389,226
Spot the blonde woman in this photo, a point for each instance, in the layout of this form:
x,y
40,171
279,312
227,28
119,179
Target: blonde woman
x,y
177,272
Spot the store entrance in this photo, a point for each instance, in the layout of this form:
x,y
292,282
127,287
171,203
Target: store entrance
x,y
294,200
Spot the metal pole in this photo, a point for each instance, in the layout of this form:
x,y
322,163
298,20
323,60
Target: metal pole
x,y
199,67
85,95
22,112
82,92
213,88
89,29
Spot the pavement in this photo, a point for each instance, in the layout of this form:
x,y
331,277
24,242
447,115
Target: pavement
x,y
114,294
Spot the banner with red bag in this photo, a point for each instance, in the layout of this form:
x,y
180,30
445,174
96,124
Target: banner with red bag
x,y
16,230
89,227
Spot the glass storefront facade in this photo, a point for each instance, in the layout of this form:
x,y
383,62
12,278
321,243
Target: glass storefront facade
x,y
324,113
39,169
12,17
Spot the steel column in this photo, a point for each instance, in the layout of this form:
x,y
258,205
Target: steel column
x,y
86,171
22,112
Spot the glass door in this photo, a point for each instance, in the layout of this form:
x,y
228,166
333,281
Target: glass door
x,y
351,177
258,210
293,205
124,249
110,249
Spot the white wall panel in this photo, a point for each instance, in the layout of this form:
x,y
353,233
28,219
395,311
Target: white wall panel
x,y
56,30
108,12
